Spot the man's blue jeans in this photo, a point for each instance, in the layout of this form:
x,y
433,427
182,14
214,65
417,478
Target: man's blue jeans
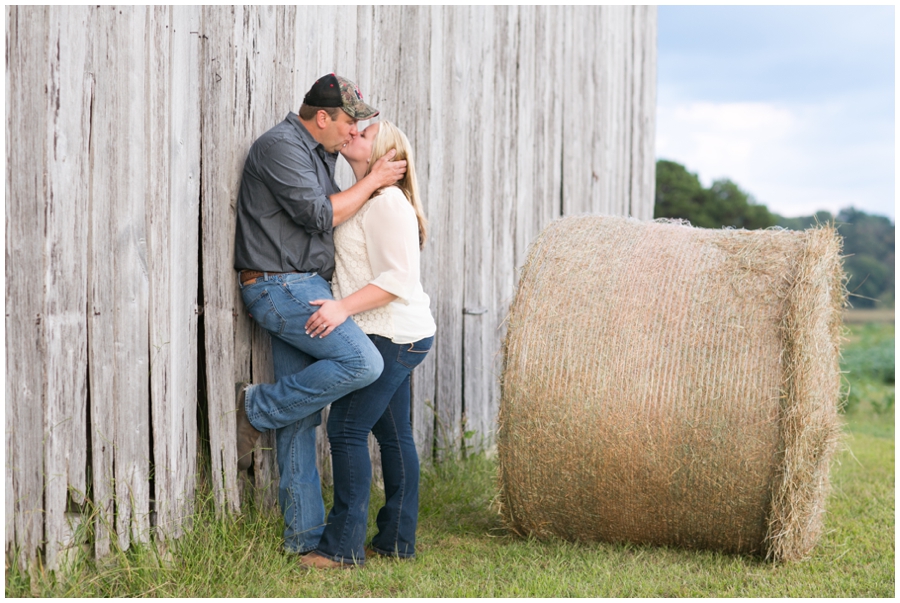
x,y
310,373
383,409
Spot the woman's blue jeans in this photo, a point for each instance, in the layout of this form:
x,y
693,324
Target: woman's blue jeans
x,y
383,409
310,373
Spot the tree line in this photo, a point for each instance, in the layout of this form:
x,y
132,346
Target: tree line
x,y
868,238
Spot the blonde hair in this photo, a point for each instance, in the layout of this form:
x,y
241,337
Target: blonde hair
x,y
391,137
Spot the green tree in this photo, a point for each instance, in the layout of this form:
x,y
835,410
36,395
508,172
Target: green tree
x,y
679,194
867,278
728,205
868,239
804,222
868,253
869,257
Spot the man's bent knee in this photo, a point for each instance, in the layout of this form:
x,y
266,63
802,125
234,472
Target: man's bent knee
x,y
373,364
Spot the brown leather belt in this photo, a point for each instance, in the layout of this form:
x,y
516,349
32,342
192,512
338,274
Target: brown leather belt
x,y
248,277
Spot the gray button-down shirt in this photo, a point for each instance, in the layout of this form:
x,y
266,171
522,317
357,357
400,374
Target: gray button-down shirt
x,y
284,216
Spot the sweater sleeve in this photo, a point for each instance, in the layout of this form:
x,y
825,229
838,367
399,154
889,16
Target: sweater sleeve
x,y
392,242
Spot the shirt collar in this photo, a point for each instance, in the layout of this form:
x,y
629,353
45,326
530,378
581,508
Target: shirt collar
x,y
307,138
329,159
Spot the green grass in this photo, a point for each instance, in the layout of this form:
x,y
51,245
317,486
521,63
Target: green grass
x,y
869,353
464,551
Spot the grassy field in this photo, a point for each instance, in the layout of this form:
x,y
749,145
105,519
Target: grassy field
x,y
464,550
880,315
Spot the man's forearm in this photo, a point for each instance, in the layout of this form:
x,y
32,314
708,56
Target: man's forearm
x,y
384,172
346,203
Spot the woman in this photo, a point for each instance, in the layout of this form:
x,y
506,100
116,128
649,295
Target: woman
x,y
376,280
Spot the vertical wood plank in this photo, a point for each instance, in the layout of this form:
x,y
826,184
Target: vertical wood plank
x,y
526,114
159,221
599,67
173,213
556,146
547,117
185,198
424,380
478,315
506,205
101,329
386,57
27,74
365,18
9,450
603,69
132,387
345,46
223,121
603,141
261,54
605,188
624,67
451,141
577,150
65,275
642,201
284,99
426,421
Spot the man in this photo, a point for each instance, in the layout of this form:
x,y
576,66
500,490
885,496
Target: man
x,y
287,208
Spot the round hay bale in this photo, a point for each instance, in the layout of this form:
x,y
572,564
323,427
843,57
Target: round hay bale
x,y
672,385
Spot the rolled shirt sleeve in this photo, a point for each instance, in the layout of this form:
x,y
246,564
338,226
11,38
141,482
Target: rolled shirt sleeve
x,y
392,242
293,180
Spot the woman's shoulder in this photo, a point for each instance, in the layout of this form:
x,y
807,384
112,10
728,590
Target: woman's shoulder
x,y
390,193
390,198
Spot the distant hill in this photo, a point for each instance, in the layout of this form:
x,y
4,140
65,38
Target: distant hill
x,y
868,238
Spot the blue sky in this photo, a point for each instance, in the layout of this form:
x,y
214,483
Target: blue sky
x,y
795,104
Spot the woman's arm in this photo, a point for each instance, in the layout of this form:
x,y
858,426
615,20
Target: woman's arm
x,y
392,245
333,313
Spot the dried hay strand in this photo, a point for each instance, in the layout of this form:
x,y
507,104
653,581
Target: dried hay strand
x,y
672,385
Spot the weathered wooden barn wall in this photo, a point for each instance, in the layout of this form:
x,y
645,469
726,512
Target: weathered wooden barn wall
x,y
127,129
102,231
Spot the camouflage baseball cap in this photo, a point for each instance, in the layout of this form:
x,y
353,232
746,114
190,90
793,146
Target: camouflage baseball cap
x,y
334,91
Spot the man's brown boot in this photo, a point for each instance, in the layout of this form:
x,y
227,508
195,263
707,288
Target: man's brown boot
x,y
314,560
246,433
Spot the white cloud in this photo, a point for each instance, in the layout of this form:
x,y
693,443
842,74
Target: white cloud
x,y
795,159
721,139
